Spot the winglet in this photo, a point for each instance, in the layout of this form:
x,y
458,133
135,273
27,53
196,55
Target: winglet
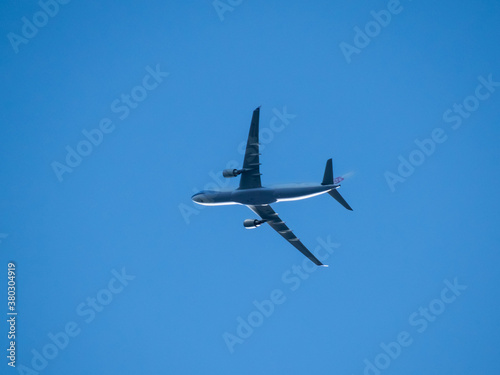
x,y
324,265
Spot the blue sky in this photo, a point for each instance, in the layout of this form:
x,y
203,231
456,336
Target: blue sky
x,y
111,250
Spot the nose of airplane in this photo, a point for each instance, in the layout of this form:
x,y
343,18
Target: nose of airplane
x,y
198,198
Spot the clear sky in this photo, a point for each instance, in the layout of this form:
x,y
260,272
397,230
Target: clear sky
x,y
115,113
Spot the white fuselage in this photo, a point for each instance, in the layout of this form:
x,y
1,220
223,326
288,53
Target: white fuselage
x,y
260,196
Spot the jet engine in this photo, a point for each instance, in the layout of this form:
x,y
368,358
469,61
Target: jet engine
x,y
228,173
253,223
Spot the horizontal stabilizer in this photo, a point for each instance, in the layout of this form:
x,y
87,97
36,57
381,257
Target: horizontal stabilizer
x,y
335,194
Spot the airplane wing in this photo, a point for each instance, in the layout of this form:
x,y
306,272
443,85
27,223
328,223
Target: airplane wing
x,y
272,218
250,177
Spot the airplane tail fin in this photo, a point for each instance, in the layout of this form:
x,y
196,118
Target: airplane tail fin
x,y
328,180
328,176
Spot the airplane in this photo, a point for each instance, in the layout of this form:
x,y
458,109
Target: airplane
x,y
252,194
